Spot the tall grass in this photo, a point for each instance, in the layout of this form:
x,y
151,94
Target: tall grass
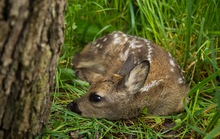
x,y
189,29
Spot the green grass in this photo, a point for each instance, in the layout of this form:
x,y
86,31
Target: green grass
x,y
189,29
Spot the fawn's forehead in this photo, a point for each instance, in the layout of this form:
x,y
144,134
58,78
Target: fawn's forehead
x,y
102,88
102,84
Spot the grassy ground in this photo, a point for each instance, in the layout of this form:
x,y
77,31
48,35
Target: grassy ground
x,y
189,29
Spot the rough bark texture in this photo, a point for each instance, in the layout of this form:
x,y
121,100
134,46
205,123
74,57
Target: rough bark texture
x,y
31,35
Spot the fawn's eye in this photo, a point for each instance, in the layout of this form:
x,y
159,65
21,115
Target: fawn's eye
x,y
94,97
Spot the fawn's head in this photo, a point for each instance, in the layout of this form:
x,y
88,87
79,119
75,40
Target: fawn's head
x,y
113,97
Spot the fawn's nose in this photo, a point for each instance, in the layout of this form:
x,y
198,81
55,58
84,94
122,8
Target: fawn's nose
x,y
73,106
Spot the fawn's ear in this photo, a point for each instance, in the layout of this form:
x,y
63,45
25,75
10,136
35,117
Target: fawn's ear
x,y
127,66
135,80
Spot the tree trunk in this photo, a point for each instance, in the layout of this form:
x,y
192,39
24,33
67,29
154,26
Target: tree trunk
x,y
31,35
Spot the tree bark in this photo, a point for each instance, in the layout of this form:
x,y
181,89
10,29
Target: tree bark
x,y
31,35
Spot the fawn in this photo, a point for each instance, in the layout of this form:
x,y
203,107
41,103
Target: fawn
x,y
128,73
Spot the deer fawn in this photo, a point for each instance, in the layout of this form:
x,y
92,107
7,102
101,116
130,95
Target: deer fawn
x,y
128,73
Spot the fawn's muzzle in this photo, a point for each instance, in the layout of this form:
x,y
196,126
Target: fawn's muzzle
x,y
73,106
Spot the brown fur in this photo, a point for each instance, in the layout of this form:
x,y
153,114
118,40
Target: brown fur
x,y
128,73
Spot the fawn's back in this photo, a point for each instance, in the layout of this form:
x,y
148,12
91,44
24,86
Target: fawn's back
x,y
128,73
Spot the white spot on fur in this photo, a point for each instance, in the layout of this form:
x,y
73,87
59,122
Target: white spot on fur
x,y
149,53
148,44
117,40
124,35
150,50
115,35
135,60
147,41
172,63
150,85
170,55
134,45
180,80
105,39
98,45
139,46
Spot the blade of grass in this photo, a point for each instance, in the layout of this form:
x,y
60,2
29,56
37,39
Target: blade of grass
x,y
188,26
198,44
132,17
213,121
214,133
205,81
194,89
